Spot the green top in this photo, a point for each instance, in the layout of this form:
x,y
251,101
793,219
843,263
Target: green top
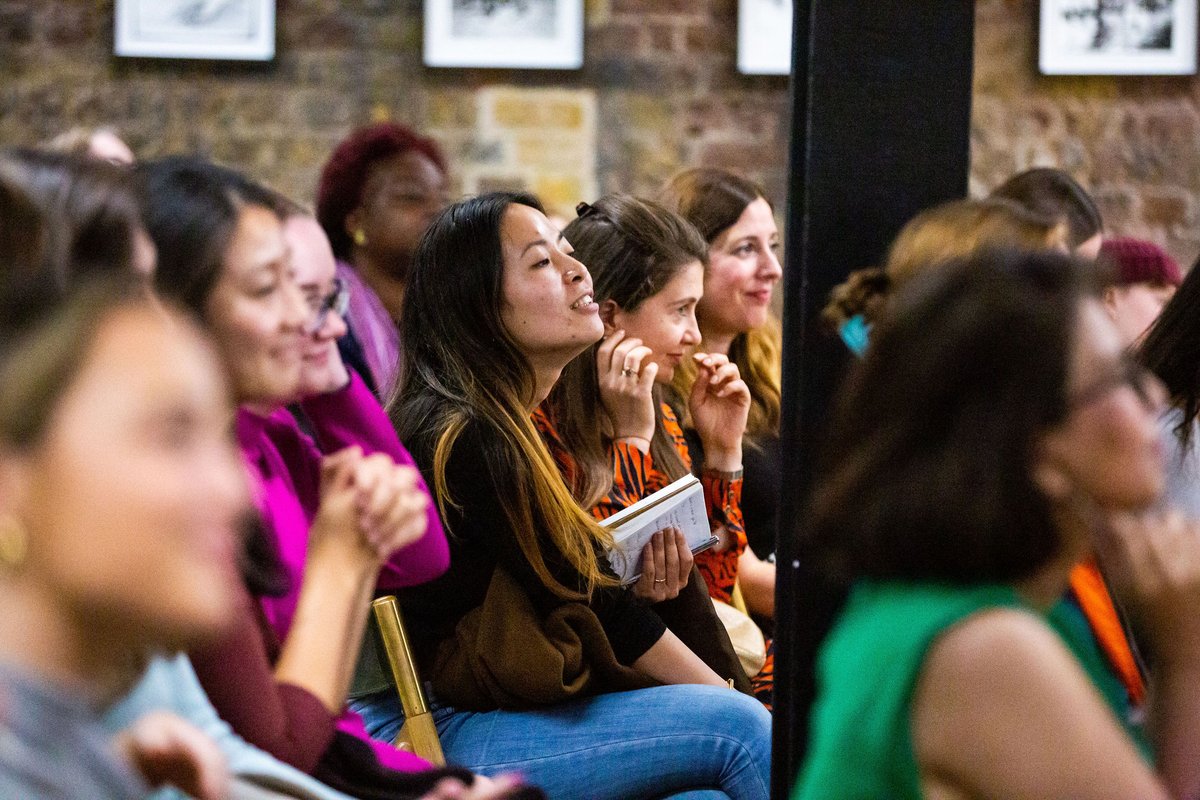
x,y
860,745
1068,621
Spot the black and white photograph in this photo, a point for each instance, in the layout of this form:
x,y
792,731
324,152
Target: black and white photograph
x,y
493,18
764,37
218,29
1117,37
545,34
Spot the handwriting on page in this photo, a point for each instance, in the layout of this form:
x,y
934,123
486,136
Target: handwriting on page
x,y
691,518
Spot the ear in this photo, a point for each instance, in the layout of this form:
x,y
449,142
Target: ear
x,y
1109,299
611,315
353,221
1050,474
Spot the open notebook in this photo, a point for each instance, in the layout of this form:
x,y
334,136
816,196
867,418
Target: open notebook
x,y
680,504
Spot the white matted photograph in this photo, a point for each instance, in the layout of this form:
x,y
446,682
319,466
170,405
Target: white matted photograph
x,y
531,34
241,30
764,37
1117,37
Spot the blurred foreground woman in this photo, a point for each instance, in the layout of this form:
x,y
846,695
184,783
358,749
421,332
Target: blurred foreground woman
x,y
120,493
1018,441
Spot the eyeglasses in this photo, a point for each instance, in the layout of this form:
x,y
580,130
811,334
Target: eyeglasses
x,y
1128,373
337,301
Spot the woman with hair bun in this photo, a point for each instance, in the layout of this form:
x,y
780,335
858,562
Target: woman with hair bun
x,y
942,233
607,423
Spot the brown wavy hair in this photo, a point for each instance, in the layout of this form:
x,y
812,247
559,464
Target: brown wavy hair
x,y
633,248
713,200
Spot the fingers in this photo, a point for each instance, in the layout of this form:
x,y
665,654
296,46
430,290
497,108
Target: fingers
x,y
649,584
658,547
645,380
337,470
391,507
685,559
447,789
670,564
619,352
495,789
1152,562
604,353
169,750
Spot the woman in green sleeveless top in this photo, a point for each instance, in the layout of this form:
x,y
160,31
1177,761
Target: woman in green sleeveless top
x,y
991,439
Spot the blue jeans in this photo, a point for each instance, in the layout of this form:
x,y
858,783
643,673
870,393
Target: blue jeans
x,y
687,741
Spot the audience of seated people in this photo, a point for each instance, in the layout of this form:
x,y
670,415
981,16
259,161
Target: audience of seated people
x,y
202,613
538,659
331,523
614,436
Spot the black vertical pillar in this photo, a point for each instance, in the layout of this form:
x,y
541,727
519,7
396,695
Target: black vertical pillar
x,y
881,106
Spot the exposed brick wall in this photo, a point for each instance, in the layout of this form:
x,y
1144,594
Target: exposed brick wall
x,y
659,90
1133,141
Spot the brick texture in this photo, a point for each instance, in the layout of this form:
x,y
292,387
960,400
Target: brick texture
x,y
659,91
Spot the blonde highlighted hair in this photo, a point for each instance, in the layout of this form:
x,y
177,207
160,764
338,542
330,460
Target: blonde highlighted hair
x,y
943,233
463,369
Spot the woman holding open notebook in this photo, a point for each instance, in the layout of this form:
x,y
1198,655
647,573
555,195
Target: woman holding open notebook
x,y
534,651
614,437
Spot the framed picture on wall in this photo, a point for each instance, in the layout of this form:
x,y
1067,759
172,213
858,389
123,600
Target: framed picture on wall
x,y
764,37
527,34
1117,37
241,30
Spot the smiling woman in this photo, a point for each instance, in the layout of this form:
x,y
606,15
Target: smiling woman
x,y
120,497
495,308
613,435
338,519
737,222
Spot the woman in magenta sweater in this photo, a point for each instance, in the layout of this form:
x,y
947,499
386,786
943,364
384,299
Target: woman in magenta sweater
x,y
335,525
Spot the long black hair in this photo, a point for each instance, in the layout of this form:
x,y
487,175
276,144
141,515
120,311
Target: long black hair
x,y
462,368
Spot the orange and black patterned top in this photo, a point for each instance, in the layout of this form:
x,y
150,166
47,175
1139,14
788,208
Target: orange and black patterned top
x,y
635,477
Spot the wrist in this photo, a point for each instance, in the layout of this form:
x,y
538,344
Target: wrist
x,y
340,556
723,459
640,442
723,474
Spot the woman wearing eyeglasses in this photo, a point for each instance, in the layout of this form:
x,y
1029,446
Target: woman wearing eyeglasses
x,y
957,517
334,525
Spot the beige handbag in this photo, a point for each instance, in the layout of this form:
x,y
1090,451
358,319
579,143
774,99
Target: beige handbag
x,y
747,638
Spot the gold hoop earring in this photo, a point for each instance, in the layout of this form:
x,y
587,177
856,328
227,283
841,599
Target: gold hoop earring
x,y
14,542
360,237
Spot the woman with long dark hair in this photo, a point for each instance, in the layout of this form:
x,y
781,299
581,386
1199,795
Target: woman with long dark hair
x,y
534,652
